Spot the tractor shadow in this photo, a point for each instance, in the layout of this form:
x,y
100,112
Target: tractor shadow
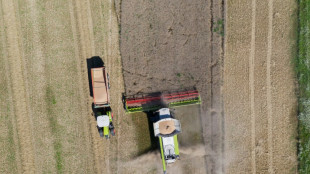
x,y
96,113
93,62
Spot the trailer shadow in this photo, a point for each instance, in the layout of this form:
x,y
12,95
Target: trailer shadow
x,y
93,62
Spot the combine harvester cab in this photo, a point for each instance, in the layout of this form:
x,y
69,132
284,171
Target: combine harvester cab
x,y
102,109
166,129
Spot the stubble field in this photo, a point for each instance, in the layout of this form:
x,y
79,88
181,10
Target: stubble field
x,y
245,124
47,124
259,87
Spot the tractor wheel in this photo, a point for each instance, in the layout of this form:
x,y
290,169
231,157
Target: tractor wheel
x,y
100,130
113,132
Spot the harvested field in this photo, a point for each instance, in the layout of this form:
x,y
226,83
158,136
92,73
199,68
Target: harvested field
x,y
175,45
46,117
259,89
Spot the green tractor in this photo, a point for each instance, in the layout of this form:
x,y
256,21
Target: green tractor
x,y
101,106
104,123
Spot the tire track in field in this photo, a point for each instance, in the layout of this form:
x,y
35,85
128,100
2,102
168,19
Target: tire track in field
x,y
104,149
251,81
269,86
14,58
114,54
37,77
107,58
90,28
9,94
84,48
110,56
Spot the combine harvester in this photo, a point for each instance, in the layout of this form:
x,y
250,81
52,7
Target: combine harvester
x,y
166,128
102,109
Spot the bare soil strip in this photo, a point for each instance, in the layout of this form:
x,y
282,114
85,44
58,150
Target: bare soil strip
x,y
18,87
213,121
172,45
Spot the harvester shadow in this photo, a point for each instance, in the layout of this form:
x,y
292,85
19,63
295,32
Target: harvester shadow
x,y
154,144
93,62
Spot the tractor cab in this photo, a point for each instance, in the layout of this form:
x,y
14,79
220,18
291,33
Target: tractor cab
x,y
103,121
105,125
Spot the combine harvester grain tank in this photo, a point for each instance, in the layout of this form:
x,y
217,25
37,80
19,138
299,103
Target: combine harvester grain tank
x,y
167,127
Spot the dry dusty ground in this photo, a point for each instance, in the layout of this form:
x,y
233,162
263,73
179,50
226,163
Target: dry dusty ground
x,y
172,45
46,117
259,98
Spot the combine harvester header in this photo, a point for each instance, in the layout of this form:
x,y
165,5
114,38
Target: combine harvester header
x,y
167,127
155,101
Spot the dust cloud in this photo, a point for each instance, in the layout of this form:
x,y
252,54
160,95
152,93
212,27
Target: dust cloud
x,y
191,161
